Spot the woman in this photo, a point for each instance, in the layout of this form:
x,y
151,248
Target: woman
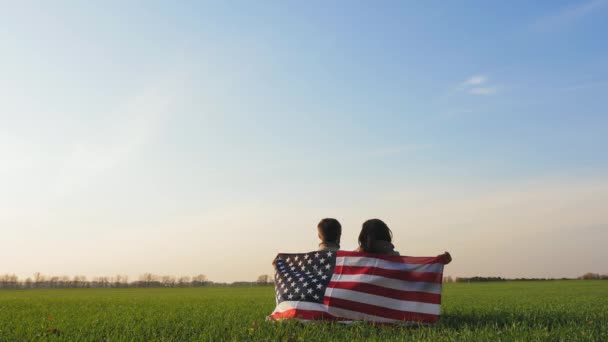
x,y
376,237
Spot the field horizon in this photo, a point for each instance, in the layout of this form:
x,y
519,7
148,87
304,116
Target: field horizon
x,y
555,310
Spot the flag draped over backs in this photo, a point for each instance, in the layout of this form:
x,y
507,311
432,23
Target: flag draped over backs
x,y
350,286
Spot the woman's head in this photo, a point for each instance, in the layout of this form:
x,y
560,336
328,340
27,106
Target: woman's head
x,y
373,230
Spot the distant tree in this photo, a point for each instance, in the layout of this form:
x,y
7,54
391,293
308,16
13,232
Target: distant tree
x,y
64,281
54,281
120,280
263,279
183,281
448,279
9,281
39,280
590,276
79,281
200,280
168,281
146,279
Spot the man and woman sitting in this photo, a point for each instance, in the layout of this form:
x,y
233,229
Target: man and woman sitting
x,y
375,237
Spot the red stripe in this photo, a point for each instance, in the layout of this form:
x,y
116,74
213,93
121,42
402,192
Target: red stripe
x,y
395,258
413,296
426,277
310,315
380,311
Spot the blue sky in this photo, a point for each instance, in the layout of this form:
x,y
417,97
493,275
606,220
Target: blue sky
x,y
153,122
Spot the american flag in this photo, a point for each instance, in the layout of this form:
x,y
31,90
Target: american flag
x,y
353,286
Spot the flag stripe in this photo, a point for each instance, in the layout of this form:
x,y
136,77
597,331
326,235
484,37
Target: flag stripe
x,y
424,297
395,258
389,265
360,316
381,311
388,282
395,304
425,277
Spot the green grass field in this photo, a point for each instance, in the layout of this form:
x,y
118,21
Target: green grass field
x,y
557,310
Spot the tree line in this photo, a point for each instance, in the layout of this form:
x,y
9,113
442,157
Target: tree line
x,y
42,281
476,279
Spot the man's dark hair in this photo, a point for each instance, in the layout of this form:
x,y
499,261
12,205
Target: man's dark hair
x,y
330,229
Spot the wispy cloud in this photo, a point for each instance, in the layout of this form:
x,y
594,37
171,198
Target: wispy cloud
x,y
137,121
478,85
569,15
474,80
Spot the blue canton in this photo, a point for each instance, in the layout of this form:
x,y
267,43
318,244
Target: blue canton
x,y
303,277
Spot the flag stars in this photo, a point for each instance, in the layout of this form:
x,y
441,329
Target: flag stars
x,y
303,277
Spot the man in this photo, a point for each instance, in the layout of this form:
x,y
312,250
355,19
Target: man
x,y
329,230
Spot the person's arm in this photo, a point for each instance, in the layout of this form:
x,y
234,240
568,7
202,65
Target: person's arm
x,y
446,258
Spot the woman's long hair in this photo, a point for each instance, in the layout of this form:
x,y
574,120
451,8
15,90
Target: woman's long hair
x,y
373,230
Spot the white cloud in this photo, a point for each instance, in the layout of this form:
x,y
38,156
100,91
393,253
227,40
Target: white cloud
x,y
569,15
474,80
477,85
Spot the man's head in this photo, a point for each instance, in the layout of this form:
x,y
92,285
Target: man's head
x,y
329,230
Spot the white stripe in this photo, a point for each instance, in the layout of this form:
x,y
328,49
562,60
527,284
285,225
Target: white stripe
x,y
295,304
388,282
391,303
389,265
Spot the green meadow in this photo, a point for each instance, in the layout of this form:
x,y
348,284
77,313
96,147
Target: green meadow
x,y
507,311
